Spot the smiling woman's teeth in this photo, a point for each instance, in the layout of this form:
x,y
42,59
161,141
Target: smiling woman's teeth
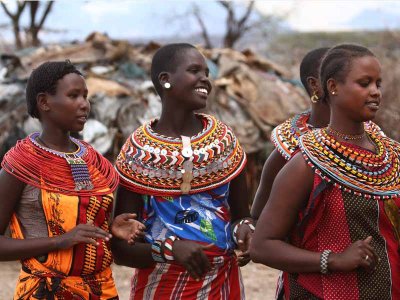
x,y
202,90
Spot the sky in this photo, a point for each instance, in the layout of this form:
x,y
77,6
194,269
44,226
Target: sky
x,y
146,19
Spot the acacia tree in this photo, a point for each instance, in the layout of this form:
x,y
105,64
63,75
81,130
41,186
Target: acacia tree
x,y
236,26
35,27
15,18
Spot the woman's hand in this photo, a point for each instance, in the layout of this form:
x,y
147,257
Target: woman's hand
x,y
192,257
360,254
82,233
125,227
244,235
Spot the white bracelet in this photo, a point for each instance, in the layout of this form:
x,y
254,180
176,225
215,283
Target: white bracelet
x,y
323,263
235,229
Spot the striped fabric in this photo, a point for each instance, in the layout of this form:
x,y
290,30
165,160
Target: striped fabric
x,y
171,281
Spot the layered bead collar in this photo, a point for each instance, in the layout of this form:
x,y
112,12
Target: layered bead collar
x,y
151,163
353,169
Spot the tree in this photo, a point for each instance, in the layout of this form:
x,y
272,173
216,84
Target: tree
x,y
35,27
204,32
15,18
236,27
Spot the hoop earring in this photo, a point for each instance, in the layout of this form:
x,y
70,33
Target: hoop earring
x,y
167,85
314,98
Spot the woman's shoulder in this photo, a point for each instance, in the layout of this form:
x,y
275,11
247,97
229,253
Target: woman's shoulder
x,y
285,136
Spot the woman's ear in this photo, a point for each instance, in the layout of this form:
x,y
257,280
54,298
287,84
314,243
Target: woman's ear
x,y
332,86
42,102
163,78
313,83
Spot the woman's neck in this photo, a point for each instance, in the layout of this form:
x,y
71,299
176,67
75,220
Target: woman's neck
x,y
319,116
178,123
352,132
56,140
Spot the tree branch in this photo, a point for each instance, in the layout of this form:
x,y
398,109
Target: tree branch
x,y
47,11
6,10
20,8
247,14
204,32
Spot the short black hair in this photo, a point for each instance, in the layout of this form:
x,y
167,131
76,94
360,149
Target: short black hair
x,y
337,63
166,60
310,64
44,79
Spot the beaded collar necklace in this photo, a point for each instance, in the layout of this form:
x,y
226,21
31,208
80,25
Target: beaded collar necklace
x,y
285,136
346,137
160,165
354,169
79,169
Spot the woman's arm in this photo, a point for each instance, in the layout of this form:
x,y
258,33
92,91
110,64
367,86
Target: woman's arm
x,y
15,249
239,198
187,253
289,194
272,166
137,255
239,208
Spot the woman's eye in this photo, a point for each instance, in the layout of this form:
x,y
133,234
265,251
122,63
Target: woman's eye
x,y
364,83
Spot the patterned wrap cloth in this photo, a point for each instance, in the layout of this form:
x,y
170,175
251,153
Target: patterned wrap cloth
x,y
151,164
285,138
82,272
342,210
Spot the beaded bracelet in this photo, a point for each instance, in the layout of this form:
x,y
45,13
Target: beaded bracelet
x,y
323,263
235,229
156,252
167,247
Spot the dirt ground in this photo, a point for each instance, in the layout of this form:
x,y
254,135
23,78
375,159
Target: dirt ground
x,y
259,280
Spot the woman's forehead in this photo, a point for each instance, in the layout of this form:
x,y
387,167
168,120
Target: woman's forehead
x,y
364,65
189,56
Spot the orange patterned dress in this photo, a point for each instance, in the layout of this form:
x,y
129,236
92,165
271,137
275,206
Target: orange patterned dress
x,y
81,272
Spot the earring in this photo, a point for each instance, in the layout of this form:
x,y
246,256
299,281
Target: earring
x,y
167,85
314,98
333,93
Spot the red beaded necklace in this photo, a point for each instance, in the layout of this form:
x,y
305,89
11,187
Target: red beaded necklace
x,y
53,171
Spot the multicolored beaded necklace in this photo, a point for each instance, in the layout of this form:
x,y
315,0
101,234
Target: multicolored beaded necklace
x,y
155,164
346,137
79,169
84,172
285,136
352,168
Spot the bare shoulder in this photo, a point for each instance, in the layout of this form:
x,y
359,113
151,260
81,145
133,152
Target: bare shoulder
x,y
295,166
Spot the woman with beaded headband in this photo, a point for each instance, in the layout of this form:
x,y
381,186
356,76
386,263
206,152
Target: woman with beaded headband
x,y
332,220
183,174
57,195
